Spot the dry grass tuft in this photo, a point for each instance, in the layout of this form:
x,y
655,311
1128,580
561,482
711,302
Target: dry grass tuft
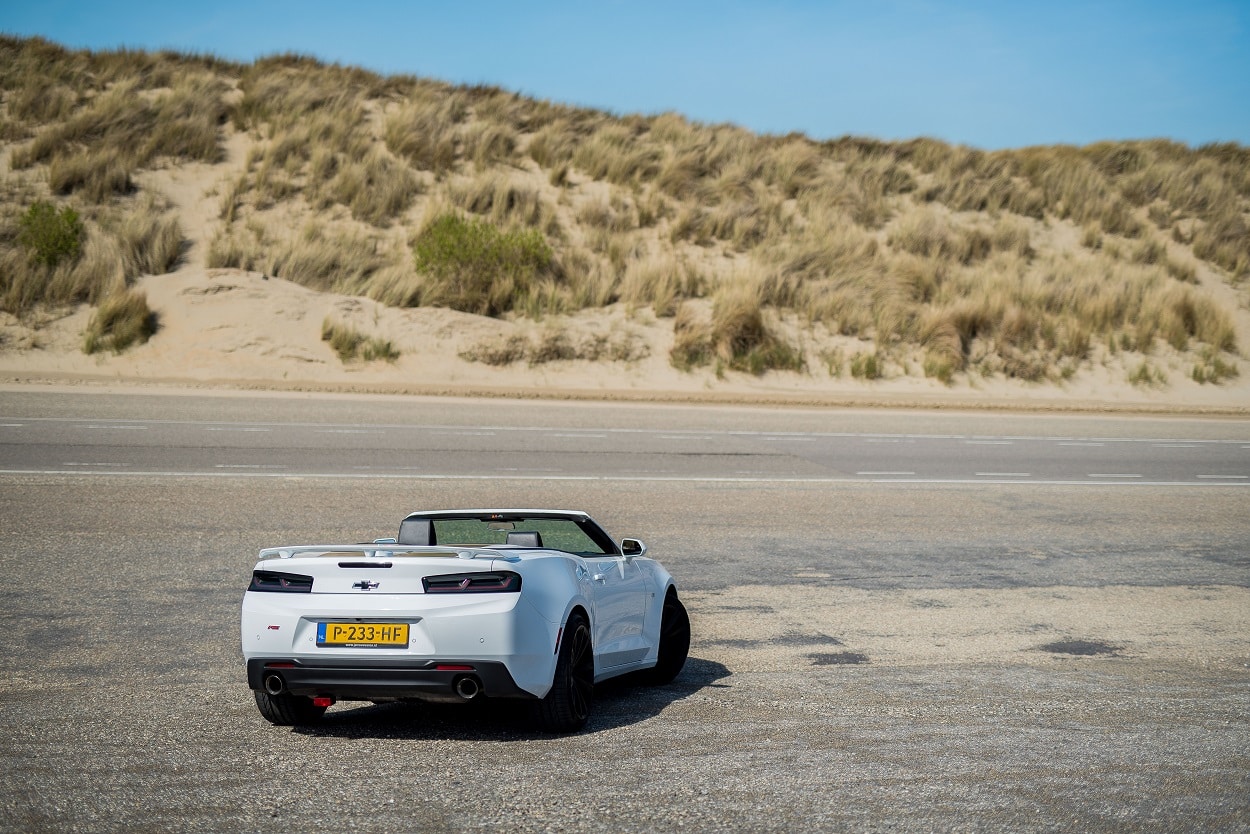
x,y
736,337
556,344
351,344
124,319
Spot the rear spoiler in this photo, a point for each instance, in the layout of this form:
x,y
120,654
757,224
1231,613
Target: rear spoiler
x,y
382,550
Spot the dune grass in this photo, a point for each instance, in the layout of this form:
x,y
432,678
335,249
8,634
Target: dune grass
x,y
122,320
1024,263
350,344
555,344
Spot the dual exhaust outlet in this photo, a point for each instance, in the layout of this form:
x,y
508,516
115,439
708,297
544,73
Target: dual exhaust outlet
x,y
467,687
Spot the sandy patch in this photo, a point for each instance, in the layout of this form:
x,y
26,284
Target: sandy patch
x,y
763,628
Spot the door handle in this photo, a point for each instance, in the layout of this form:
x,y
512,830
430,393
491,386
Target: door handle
x,y
599,577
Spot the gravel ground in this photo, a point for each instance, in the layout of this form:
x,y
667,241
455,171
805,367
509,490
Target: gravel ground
x,y
883,683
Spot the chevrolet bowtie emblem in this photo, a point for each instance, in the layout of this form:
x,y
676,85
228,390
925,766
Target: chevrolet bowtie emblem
x,y
365,585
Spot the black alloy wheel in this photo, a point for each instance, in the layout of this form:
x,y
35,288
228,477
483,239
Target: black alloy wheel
x,y
288,710
566,707
674,641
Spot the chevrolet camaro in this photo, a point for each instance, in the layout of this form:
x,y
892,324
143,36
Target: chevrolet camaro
x,y
537,605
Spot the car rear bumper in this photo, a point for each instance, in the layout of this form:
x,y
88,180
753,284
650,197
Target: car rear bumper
x,y
367,680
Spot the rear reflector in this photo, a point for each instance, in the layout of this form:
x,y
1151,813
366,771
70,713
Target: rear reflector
x,y
323,702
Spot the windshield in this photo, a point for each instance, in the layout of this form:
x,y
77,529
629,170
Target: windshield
x,y
570,535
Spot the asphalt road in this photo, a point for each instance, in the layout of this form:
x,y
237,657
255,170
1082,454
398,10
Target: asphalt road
x,y
902,621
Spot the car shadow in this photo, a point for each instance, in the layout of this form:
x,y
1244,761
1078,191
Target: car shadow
x,y
619,702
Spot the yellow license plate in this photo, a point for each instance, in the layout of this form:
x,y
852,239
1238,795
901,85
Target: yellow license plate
x,y
363,635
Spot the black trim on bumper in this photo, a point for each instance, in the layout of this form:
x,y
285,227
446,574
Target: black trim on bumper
x,y
366,680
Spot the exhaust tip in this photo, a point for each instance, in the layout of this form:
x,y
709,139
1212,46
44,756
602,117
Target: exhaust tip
x,y
274,684
467,687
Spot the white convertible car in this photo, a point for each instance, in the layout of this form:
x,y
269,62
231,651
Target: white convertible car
x,y
528,604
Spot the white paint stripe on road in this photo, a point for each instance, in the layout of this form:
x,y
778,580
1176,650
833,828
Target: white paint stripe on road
x,y
665,433
1225,477
1081,443
249,466
236,473
117,428
76,463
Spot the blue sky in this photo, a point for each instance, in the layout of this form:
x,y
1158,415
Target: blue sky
x,y
991,74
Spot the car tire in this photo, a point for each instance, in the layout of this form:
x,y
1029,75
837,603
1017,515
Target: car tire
x,y
288,710
674,641
566,706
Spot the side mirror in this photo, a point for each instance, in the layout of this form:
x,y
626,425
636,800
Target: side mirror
x,y
633,548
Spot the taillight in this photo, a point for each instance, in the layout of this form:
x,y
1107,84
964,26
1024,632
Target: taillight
x,y
283,583
491,582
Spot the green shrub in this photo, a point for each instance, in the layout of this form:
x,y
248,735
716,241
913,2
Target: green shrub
x,y
123,319
51,235
472,266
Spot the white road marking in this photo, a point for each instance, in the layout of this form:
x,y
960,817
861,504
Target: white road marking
x,y
668,434
988,442
76,463
467,433
249,466
348,431
235,428
1003,474
118,428
578,436
1174,445
1225,477
11,425
1112,475
434,476
1080,443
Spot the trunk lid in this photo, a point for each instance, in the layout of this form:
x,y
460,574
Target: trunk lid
x,y
382,569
